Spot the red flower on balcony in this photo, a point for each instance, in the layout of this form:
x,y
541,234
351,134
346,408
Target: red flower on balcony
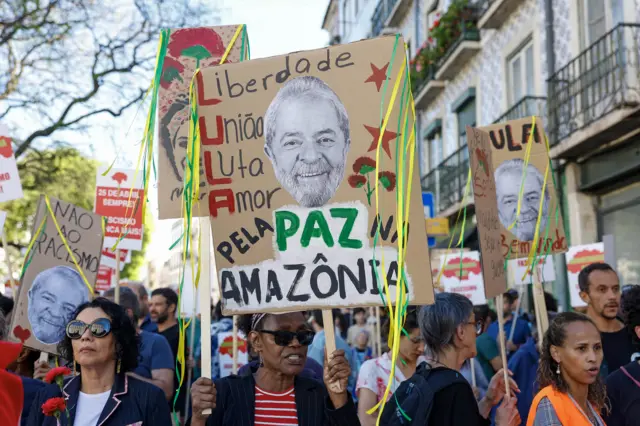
x,y
436,23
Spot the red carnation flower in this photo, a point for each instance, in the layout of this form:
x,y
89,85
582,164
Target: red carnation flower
x,y
364,165
388,180
436,23
357,181
56,374
172,70
54,407
183,42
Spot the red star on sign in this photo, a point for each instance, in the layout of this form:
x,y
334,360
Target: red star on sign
x,y
378,75
387,137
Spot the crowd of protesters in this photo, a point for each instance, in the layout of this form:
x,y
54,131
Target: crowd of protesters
x,y
122,365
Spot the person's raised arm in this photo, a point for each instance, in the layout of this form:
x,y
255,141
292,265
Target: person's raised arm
x,y
367,399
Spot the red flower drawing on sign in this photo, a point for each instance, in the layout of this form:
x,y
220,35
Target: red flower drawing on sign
x,y
363,166
584,258
119,177
5,147
461,268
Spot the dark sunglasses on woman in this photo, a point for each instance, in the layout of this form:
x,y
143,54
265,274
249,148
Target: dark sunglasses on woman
x,y
284,338
99,328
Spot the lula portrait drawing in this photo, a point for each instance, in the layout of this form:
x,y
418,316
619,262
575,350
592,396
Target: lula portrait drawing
x,y
307,140
52,299
508,178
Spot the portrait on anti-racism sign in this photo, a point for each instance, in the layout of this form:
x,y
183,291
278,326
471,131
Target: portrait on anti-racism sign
x,y
523,199
52,299
52,287
188,49
292,166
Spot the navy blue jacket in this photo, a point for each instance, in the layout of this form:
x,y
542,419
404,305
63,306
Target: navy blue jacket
x,y
132,402
236,403
31,388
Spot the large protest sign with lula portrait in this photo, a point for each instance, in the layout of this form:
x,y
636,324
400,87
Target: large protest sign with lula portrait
x,y
188,49
294,149
526,200
484,190
59,273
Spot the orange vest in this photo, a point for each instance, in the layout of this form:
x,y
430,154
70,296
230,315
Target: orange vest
x,y
568,413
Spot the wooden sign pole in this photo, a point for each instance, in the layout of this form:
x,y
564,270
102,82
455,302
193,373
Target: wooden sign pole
x,y
502,342
192,346
542,317
473,371
235,345
330,342
116,293
204,298
14,290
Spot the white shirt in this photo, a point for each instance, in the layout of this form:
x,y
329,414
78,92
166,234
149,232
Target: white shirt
x,y
90,407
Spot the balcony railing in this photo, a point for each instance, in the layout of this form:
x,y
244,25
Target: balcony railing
x,y
463,44
380,16
526,107
448,180
604,78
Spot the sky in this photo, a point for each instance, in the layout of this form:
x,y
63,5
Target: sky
x,y
276,27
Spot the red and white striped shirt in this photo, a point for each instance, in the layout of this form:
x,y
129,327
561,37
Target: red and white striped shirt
x,y
276,409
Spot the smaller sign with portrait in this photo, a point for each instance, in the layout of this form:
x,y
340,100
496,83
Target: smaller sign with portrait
x,y
517,161
52,287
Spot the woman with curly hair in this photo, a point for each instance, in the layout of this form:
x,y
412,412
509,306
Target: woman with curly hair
x,y
275,392
102,343
623,385
572,392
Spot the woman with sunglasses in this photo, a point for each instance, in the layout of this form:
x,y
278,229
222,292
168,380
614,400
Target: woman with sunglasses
x,y
276,392
374,374
102,344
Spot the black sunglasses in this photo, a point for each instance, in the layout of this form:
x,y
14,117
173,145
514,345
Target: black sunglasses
x,y
99,328
284,338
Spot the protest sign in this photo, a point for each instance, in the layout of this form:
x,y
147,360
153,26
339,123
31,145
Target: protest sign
x,y
109,258
545,271
463,275
103,278
488,222
523,188
59,275
225,352
577,258
291,163
188,49
10,186
121,205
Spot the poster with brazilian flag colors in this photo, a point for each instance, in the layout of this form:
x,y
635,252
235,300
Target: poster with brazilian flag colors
x,y
311,185
187,50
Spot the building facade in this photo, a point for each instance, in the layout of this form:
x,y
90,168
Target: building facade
x,y
575,63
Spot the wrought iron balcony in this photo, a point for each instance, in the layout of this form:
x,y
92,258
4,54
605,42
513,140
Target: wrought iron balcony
x,y
448,180
497,12
595,98
381,14
526,107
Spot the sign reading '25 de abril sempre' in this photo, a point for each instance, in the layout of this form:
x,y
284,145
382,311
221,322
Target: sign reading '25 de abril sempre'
x,y
289,151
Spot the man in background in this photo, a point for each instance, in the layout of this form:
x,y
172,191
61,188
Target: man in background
x,y
522,331
144,322
156,360
600,290
486,345
162,308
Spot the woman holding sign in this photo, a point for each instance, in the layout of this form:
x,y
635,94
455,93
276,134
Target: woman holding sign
x,y
275,393
102,343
